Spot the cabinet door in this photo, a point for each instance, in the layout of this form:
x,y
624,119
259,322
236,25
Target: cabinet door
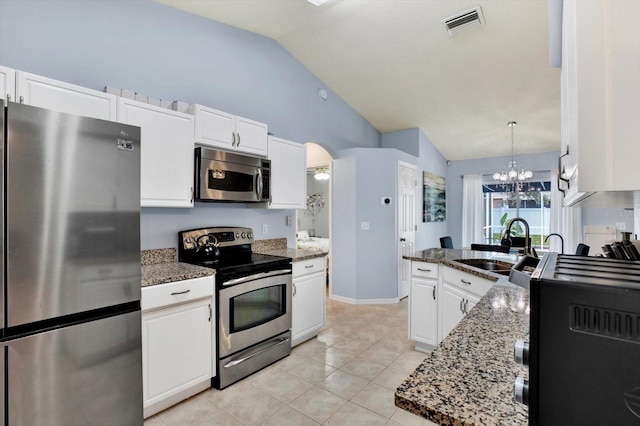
x,y
64,97
214,128
176,349
166,168
423,308
7,84
307,308
288,174
451,309
251,137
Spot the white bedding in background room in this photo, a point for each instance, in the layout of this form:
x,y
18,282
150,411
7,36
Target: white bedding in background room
x,y
313,244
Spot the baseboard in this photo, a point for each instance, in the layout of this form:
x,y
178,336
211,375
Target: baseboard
x,y
363,301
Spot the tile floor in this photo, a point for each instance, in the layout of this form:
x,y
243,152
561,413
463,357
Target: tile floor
x,y
345,376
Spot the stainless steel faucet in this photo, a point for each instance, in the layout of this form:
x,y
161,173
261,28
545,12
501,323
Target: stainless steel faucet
x,y
561,241
527,239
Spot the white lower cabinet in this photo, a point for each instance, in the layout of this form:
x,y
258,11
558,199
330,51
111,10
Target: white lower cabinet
x,y
178,326
423,305
460,293
439,298
308,300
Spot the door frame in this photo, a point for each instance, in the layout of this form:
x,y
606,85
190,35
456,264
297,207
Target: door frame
x,y
399,222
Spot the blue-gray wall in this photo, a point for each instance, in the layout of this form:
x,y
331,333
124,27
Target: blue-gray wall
x,y
165,53
364,265
415,142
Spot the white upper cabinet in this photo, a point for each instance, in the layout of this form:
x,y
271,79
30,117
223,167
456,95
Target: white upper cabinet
x,y
226,131
59,96
167,153
600,97
7,84
288,174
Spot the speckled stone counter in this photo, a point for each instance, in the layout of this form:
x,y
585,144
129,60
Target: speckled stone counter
x,y
159,266
468,379
278,247
448,256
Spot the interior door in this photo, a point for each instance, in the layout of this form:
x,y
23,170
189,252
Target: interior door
x,y
407,227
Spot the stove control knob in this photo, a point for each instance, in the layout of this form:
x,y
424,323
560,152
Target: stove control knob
x,y
244,235
249,235
521,353
521,390
237,235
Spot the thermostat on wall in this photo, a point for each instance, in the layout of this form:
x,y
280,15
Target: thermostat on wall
x,y
386,201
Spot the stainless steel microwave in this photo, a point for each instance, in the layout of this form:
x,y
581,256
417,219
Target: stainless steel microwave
x,y
230,177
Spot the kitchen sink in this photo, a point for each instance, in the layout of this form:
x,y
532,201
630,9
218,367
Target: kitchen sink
x,y
495,266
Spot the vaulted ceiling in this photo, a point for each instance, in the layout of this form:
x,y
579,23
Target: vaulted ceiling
x,y
394,62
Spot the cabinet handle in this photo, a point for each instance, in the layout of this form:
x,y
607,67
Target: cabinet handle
x,y
180,292
466,302
561,172
192,195
461,310
465,282
238,144
295,290
233,139
21,99
8,97
210,312
403,239
434,293
308,266
424,270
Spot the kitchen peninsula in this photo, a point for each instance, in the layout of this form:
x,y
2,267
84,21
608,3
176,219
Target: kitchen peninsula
x,y
468,379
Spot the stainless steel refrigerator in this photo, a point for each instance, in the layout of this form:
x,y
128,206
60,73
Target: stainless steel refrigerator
x,y
70,301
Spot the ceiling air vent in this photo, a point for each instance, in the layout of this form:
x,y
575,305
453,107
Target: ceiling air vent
x,y
464,21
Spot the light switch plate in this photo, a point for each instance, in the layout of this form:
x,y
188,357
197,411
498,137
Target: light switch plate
x,y
364,226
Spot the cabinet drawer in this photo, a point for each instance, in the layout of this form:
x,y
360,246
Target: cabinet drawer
x,y
467,282
163,295
310,266
424,270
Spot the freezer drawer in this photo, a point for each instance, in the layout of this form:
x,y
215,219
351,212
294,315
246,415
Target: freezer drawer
x,y
90,373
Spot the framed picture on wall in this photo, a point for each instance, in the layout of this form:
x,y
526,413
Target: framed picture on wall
x,y
434,203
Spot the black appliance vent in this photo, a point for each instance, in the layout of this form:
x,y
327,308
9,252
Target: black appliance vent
x,y
605,322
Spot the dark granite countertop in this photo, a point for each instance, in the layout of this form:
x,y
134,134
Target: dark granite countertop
x,y
447,257
159,266
278,247
468,379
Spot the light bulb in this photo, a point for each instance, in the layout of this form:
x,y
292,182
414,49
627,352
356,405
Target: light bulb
x,y
496,176
528,174
513,174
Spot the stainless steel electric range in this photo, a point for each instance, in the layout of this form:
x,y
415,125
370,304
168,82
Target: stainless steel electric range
x,y
253,294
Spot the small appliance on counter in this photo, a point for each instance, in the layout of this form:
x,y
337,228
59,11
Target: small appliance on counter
x,y
253,298
584,349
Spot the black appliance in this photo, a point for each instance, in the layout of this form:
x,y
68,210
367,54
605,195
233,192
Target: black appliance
x,y
584,349
253,299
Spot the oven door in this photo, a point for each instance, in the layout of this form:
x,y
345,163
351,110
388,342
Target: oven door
x,y
253,309
226,181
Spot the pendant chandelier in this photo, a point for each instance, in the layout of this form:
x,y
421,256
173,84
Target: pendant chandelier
x,y
513,176
321,173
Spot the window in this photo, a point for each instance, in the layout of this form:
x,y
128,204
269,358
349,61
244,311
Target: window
x,y
532,203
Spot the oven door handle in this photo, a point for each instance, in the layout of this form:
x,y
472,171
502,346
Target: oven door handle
x,y
270,345
256,277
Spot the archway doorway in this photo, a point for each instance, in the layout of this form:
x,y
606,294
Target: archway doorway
x,y
313,224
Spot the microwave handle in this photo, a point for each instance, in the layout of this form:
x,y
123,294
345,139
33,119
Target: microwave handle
x,y
259,184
